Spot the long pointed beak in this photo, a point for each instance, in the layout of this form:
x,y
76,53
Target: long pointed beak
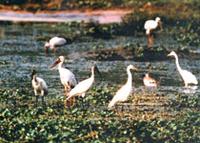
x,y
55,63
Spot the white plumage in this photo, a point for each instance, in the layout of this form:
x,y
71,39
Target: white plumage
x,y
123,93
187,76
82,87
54,42
39,86
151,25
149,81
67,78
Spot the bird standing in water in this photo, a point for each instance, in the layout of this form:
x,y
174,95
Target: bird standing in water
x,y
123,93
82,87
187,76
67,78
39,86
149,26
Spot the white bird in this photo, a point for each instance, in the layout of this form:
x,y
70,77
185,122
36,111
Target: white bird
x,y
123,93
82,87
150,25
54,42
149,81
39,86
67,78
187,76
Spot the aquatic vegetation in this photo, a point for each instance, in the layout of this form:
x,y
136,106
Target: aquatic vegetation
x,y
168,114
89,120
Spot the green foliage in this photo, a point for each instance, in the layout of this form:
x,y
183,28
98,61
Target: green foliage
x,y
89,120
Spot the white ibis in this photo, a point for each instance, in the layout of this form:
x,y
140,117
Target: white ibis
x,y
67,78
187,76
149,81
123,93
39,86
54,42
82,87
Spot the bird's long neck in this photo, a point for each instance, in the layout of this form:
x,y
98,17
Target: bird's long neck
x,y
177,63
60,65
129,81
34,78
92,74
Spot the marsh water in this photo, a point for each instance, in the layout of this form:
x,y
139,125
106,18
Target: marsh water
x,y
21,50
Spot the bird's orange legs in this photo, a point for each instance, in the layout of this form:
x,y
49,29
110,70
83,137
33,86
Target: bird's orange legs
x,y
150,40
71,101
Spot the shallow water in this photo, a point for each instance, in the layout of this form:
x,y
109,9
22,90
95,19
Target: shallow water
x,y
21,52
104,16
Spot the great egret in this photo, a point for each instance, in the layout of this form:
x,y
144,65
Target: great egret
x,y
123,93
187,76
82,87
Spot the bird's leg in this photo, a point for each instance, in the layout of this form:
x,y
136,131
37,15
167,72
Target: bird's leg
x,y
43,103
36,100
36,97
66,94
72,99
54,50
150,40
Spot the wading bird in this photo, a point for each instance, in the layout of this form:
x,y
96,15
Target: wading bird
x,y
187,76
149,81
82,87
39,86
149,26
67,78
123,93
53,43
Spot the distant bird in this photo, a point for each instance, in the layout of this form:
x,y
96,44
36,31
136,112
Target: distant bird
x,y
67,78
187,76
53,43
149,81
149,26
82,87
39,86
123,93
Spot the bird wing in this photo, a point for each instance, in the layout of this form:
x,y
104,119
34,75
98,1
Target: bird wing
x,y
188,76
67,76
42,82
81,87
150,24
121,95
57,41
